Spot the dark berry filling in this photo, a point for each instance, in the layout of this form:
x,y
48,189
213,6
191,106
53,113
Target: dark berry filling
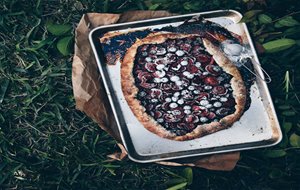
x,y
180,85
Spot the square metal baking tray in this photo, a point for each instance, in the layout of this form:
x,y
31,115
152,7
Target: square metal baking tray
x,y
258,127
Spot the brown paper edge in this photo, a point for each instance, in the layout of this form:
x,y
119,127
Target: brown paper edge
x,y
85,101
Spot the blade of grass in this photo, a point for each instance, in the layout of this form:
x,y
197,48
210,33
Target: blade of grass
x,y
4,85
287,84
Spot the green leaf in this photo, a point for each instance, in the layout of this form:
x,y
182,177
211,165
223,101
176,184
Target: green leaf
x,y
275,173
277,25
264,19
284,107
173,174
58,29
294,31
287,126
288,21
250,15
105,5
175,181
178,186
154,6
278,45
298,127
140,4
295,140
274,153
187,173
64,45
4,85
189,6
288,113
284,142
42,43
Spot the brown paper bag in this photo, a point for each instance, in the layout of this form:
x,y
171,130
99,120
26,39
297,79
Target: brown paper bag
x,y
90,94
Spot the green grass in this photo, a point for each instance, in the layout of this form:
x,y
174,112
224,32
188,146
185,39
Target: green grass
x,y
45,143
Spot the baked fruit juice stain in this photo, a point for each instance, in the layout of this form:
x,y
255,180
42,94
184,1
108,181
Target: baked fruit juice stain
x,y
181,86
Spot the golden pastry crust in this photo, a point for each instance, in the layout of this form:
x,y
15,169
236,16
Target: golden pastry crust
x,y
130,90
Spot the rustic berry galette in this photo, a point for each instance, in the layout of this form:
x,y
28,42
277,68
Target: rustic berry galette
x,y
181,86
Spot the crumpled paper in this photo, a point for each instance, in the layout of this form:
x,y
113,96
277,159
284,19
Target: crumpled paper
x,y
90,94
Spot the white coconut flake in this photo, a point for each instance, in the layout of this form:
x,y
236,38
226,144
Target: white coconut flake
x,y
142,93
191,88
174,99
144,53
160,73
203,119
166,68
220,78
164,80
168,99
160,120
217,68
179,53
176,94
160,67
223,99
153,51
180,101
187,111
176,68
187,107
148,59
176,112
196,91
184,92
190,76
173,105
184,63
198,64
174,78
217,104
172,49
156,80
207,87
178,83
209,106
161,51
186,73
204,102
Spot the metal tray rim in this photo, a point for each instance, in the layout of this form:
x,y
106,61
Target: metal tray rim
x,y
201,154
140,158
163,18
